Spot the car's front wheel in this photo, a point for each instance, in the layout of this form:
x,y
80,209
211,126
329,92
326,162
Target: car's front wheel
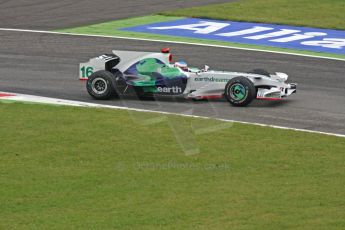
x,y
240,91
100,85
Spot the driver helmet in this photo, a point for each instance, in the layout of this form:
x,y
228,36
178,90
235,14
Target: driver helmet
x,y
182,65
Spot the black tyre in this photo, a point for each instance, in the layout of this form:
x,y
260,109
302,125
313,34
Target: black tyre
x,y
100,85
261,72
240,91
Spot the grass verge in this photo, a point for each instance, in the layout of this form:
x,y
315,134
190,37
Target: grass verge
x,y
317,13
69,167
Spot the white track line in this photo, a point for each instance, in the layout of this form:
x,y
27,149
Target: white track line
x,y
56,101
169,41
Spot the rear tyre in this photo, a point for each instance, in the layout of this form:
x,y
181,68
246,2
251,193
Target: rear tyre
x,y
100,85
240,91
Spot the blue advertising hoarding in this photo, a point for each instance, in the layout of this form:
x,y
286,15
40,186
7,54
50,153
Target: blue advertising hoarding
x,y
290,37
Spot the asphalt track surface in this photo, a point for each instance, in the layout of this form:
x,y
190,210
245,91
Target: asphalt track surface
x,y
47,14
47,65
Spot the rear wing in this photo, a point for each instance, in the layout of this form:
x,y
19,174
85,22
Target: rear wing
x,y
103,62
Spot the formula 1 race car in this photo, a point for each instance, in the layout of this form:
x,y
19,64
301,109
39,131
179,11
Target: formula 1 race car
x,y
146,74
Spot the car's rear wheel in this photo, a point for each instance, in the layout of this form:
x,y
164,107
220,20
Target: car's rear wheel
x,y
100,85
240,91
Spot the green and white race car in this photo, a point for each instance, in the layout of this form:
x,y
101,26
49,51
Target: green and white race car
x,y
146,74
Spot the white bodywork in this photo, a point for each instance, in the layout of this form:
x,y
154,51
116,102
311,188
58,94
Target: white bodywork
x,y
201,83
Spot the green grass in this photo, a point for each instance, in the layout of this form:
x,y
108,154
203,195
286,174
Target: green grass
x,y
80,168
113,28
316,13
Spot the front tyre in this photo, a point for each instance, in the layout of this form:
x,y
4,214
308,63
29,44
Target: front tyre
x,y
240,91
100,85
